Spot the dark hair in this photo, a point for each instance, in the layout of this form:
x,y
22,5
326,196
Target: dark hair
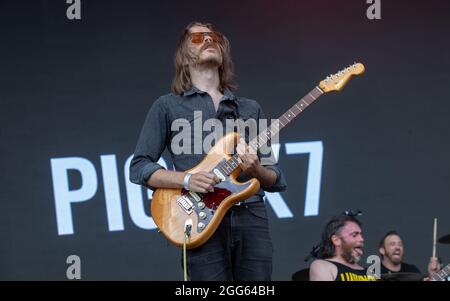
x,y
389,233
334,226
182,79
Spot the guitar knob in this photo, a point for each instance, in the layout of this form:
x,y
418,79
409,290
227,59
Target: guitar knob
x,y
201,205
201,226
202,215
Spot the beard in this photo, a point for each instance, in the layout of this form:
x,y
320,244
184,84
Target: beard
x,y
212,60
349,253
395,257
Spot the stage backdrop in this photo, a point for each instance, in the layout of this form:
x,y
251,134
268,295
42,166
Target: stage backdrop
x,y
75,86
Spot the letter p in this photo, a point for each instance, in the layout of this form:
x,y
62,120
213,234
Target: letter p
x,y
65,197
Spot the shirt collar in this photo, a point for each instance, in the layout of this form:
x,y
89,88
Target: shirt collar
x,y
193,90
227,94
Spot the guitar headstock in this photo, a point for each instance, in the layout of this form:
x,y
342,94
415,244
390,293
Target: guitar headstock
x,y
337,81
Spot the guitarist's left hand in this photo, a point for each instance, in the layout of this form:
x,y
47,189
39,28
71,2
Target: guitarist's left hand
x,y
248,159
250,164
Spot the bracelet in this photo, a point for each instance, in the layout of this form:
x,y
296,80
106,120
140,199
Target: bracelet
x,y
186,181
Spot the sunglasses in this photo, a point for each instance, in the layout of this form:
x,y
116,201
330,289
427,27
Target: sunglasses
x,y
199,37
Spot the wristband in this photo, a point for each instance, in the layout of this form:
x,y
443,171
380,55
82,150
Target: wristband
x,y
186,181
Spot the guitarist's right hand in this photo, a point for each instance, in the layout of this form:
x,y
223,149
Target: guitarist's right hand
x,y
203,182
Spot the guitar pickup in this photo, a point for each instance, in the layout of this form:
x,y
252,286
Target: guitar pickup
x,y
219,174
195,196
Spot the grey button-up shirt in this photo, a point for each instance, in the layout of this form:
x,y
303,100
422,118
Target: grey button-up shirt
x,y
157,134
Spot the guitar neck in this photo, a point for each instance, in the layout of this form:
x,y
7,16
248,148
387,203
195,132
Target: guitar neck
x,y
266,135
285,119
442,274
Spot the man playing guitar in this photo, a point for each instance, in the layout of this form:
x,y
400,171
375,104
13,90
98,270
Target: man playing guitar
x,y
241,247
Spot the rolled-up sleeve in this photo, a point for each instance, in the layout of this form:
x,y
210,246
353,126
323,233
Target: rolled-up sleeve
x,y
151,143
280,184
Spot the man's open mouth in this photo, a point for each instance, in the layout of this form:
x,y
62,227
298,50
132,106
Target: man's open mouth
x,y
358,250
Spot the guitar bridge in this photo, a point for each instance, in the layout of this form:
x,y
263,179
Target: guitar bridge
x,y
185,204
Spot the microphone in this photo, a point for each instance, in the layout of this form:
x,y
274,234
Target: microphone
x,y
314,253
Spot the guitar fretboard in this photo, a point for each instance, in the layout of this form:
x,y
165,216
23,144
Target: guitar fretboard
x,y
265,135
442,274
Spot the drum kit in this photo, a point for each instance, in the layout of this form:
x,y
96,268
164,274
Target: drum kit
x,y
303,275
444,239
419,277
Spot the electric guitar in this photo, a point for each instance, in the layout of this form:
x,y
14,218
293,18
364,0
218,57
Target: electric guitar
x,y
177,211
442,274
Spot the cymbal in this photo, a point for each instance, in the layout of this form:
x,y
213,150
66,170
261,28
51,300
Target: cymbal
x,y
444,239
402,277
302,275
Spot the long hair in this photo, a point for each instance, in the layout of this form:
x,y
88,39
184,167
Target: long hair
x,y
333,227
182,80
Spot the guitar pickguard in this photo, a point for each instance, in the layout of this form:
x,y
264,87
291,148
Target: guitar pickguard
x,y
205,204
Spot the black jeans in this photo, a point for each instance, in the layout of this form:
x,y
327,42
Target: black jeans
x,y
240,249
